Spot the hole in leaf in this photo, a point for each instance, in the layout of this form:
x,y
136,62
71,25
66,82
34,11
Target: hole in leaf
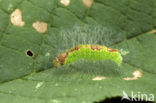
x,y
118,100
29,53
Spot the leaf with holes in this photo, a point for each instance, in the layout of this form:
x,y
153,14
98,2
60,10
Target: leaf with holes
x,y
34,32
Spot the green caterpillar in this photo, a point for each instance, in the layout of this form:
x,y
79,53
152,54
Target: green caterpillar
x,y
88,52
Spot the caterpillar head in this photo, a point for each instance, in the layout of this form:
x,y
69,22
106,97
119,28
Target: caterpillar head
x,y
57,62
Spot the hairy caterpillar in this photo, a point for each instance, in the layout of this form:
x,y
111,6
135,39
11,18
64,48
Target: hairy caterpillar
x,y
88,52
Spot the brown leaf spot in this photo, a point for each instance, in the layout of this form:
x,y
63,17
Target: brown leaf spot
x,y
65,2
153,31
130,78
16,18
88,3
99,78
40,26
136,74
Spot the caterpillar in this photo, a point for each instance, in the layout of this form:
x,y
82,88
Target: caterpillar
x,y
88,52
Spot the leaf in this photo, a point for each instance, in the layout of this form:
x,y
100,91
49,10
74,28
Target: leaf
x,y
49,27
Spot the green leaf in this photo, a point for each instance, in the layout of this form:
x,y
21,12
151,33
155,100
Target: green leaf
x,y
27,72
